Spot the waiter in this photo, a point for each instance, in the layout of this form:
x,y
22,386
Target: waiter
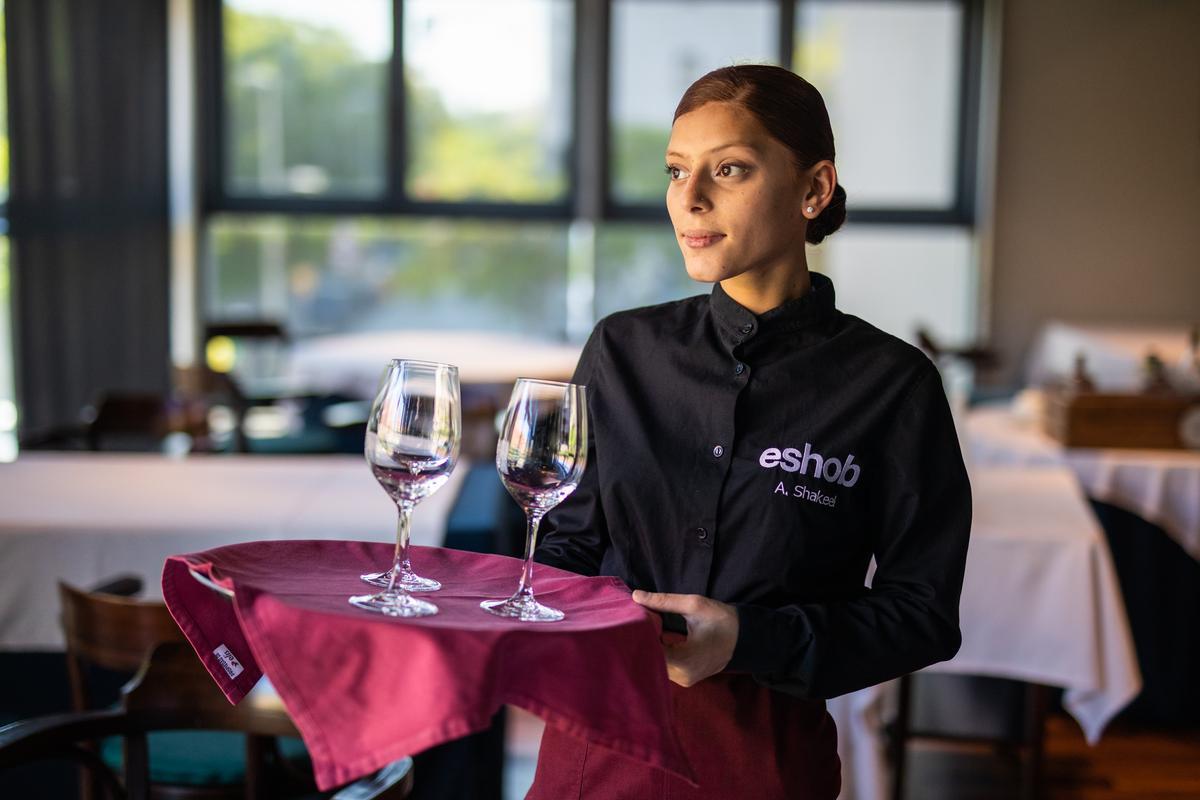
x,y
750,451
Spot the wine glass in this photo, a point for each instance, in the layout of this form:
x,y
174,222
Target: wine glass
x,y
412,443
540,457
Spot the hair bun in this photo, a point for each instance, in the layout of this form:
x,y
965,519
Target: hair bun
x,y
830,218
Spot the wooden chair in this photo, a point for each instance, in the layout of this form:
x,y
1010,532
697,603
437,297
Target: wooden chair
x,y
979,356
172,691
113,420
122,420
1005,716
115,633
108,628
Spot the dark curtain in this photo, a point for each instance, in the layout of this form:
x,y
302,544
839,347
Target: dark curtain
x,y
88,202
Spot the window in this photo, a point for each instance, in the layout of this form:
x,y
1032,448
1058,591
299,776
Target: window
x,y
899,277
637,265
498,134
305,90
894,67
416,163
332,274
380,107
658,48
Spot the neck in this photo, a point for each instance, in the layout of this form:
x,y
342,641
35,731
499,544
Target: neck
x,y
759,292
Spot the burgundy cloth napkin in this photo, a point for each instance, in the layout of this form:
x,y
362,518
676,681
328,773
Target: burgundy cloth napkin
x,y
365,690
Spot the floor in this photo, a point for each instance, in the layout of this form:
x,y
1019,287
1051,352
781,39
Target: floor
x,y
1129,763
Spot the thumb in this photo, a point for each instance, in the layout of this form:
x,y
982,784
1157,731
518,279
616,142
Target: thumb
x,y
663,601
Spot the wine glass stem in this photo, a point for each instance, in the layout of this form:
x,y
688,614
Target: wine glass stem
x,y
532,520
400,563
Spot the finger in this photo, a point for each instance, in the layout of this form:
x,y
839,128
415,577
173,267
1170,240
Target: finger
x,y
677,669
665,601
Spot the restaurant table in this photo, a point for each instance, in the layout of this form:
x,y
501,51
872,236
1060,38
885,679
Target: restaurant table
x,y
1161,486
349,363
1114,353
1040,603
1148,502
85,517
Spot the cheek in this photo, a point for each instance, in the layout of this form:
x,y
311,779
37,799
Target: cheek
x,y
777,215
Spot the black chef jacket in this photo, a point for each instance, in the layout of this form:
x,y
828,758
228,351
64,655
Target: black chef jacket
x,y
762,461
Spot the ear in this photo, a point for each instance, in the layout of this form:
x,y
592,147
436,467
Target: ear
x,y
822,178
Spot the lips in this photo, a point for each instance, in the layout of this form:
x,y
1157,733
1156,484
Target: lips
x,y
701,238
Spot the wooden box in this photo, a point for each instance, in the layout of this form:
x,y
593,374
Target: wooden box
x,y
1089,419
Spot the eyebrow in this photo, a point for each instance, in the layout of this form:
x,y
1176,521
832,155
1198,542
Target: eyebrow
x,y
718,148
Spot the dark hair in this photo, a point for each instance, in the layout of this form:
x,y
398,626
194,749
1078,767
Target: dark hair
x,y
790,109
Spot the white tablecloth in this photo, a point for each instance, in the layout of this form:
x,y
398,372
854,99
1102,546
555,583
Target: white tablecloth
x,y
1040,603
85,517
1114,353
352,363
1161,486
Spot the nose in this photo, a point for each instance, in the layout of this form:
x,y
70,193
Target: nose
x,y
694,196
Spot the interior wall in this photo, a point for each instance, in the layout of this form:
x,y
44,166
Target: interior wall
x,y
1097,207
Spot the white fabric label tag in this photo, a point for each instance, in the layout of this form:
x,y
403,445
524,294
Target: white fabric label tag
x,y
229,661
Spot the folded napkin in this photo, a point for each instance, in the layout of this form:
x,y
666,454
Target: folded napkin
x,y
365,689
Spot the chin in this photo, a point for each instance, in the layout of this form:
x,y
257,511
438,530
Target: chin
x,y
703,272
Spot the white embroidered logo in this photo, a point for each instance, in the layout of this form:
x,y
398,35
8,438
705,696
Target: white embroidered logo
x,y
789,459
229,661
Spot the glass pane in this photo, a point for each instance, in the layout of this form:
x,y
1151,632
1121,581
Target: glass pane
x,y
321,275
306,97
659,47
640,265
895,67
488,99
899,278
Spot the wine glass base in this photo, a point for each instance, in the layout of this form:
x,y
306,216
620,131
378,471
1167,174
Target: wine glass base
x,y
525,609
394,604
409,582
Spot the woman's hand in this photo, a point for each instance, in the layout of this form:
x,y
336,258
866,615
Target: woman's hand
x,y
712,633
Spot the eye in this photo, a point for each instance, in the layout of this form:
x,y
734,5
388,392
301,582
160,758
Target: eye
x,y
731,170
676,173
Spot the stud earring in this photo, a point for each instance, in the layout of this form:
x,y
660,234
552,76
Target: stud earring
x,y
809,209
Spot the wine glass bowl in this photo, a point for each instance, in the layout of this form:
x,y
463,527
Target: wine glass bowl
x,y
541,455
412,445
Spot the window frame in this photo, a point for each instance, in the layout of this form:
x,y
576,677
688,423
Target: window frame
x,y
588,193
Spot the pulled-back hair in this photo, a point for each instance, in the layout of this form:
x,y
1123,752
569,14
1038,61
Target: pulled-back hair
x,y
790,109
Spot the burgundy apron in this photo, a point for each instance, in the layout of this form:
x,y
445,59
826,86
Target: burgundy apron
x,y
743,740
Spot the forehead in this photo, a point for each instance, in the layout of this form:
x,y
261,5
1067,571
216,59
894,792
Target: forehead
x,y
714,125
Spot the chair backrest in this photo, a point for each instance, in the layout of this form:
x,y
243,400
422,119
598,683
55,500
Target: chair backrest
x,y
173,684
172,691
126,420
109,631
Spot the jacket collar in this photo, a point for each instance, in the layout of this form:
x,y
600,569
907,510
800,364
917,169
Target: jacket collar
x,y
738,324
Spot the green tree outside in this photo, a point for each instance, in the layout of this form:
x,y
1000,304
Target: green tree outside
x,y
400,272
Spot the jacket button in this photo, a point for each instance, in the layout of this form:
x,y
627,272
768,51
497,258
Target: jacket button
x,y
718,451
739,369
701,534
747,328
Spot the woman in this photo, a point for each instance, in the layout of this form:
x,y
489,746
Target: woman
x,y
752,450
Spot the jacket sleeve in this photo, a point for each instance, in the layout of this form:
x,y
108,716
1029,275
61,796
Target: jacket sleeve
x,y
574,535
908,619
